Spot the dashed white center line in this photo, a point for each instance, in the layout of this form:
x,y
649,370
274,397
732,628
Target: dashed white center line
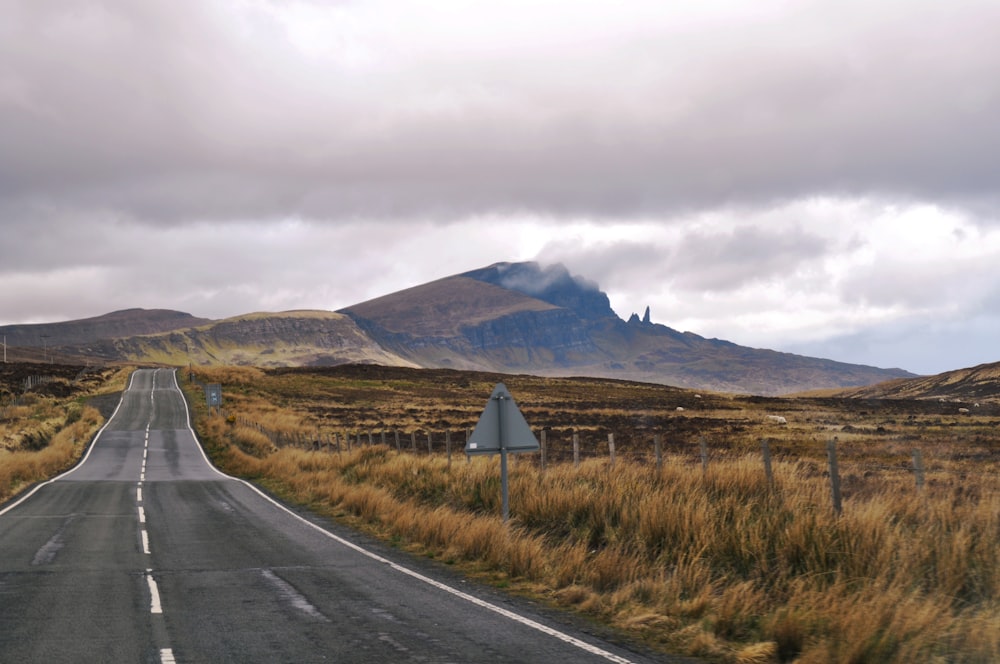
x,y
142,514
138,494
167,656
154,593
145,541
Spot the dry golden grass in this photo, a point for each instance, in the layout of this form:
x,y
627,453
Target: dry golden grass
x,y
22,468
45,434
719,564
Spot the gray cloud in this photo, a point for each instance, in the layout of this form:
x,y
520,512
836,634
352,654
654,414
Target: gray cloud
x,y
719,261
187,111
273,155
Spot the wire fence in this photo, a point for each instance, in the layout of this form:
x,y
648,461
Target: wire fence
x,y
849,469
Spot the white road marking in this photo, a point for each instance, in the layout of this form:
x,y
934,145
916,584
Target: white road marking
x,y
167,656
154,593
138,495
142,515
145,541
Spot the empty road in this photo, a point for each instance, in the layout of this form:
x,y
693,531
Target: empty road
x,y
145,553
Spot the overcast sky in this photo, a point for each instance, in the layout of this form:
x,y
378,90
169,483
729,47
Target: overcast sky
x,y
813,176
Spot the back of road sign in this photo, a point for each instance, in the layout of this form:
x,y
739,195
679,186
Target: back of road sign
x,y
501,427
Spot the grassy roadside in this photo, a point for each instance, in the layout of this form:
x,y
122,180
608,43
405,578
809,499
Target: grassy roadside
x,y
719,564
45,435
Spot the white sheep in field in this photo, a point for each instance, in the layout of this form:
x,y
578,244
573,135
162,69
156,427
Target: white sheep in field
x,y
680,409
963,411
777,419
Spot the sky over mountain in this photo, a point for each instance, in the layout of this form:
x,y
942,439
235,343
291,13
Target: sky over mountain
x,y
818,176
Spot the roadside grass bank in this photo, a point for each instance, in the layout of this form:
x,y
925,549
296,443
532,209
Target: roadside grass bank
x,y
45,434
719,563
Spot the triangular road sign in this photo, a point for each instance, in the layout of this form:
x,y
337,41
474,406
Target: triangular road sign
x,y
501,427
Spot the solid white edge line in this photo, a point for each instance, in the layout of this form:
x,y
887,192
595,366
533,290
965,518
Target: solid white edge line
x,y
527,622
86,456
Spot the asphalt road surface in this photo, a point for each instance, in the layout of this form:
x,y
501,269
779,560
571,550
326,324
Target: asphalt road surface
x,y
145,553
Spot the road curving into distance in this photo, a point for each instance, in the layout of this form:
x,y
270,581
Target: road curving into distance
x,y
144,552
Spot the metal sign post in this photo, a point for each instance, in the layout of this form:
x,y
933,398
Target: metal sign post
x,y
213,396
502,429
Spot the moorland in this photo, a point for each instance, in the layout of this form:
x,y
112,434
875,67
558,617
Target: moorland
x,y
706,555
695,550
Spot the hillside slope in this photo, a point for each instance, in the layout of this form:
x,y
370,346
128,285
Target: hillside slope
x,y
291,338
973,385
118,324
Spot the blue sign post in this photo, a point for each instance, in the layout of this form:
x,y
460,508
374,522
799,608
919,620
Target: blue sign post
x,y
502,429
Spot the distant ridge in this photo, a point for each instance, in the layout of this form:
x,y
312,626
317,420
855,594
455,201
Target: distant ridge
x,y
972,385
290,338
503,318
117,324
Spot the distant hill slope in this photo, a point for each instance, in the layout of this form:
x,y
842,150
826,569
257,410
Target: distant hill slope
x,y
125,323
976,384
521,317
291,338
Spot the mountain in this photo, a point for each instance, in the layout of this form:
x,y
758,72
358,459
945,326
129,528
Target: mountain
x,y
979,384
504,318
522,317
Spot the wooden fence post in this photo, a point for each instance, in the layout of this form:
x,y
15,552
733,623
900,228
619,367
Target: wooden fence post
x,y
831,453
611,448
766,449
468,435
397,440
918,467
430,446
413,441
544,445
703,444
658,450
383,437
576,450
447,446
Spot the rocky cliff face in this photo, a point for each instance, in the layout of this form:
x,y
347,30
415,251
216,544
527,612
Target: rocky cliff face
x,y
553,284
